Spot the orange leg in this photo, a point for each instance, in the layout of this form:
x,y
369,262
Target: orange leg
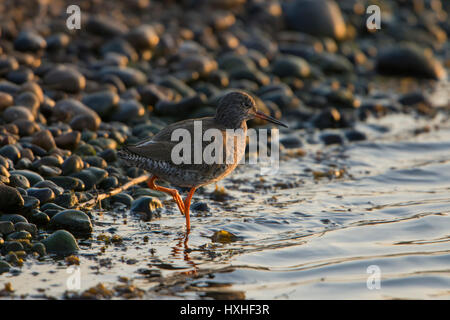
x,y
187,205
174,193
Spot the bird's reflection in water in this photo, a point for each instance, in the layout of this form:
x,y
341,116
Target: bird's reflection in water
x,y
182,246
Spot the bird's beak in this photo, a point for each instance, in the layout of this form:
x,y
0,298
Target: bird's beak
x,y
263,116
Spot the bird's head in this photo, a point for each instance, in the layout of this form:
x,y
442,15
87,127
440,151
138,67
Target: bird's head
x,y
238,106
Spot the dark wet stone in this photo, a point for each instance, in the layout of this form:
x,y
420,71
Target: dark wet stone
x,y
104,102
129,76
10,152
197,63
121,47
18,180
18,235
49,171
6,100
104,143
74,221
6,227
66,79
39,248
61,242
180,108
105,26
291,141
14,218
95,161
143,37
321,18
50,184
88,178
29,41
9,87
331,138
30,203
80,116
200,206
412,98
44,139
68,183
109,183
66,200
146,207
31,176
290,66
179,86
331,63
10,199
37,151
72,164
29,227
110,155
128,110
409,60
20,75
53,160
255,76
69,140
4,266
122,197
17,112
355,135
330,118
40,218
57,41
12,246
43,194
26,127
23,164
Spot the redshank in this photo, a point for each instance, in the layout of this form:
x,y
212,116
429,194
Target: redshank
x,y
155,154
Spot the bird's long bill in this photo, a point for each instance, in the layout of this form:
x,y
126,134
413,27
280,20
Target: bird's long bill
x,y
261,115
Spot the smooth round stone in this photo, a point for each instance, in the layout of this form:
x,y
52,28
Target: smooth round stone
x,y
105,27
66,200
14,218
30,203
88,177
129,76
122,197
6,227
95,161
68,141
23,164
17,112
72,164
9,87
29,41
331,138
143,37
44,139
49,171
10,152
68,183
121,47
104,143
291,142
4,266
53,160
39,248
12,245
61,242
409,60
34,88
5,163
333,63
77,113
40,218
20,75
44,195
330,118
18,180
6,100
10,199
110,155
109,183
104,102
31,176
50,184
26,127
322,18
86,150
291,66
147,207
128,110
200,206
66,79
29,227
355,135
19,235
29,100
75,221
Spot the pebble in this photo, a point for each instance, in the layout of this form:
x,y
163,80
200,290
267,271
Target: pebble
x,y
74,221
40,218
6,227
61,242
65,78
72,164
29,227
68,183
17,112
6,100
44,195
44,139
10,199
80,116
31,176
103,103
290,66
69,140
29,41
143,37
146,207
66,200
14,218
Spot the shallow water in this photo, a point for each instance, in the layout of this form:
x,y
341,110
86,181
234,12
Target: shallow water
x,y
298,237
